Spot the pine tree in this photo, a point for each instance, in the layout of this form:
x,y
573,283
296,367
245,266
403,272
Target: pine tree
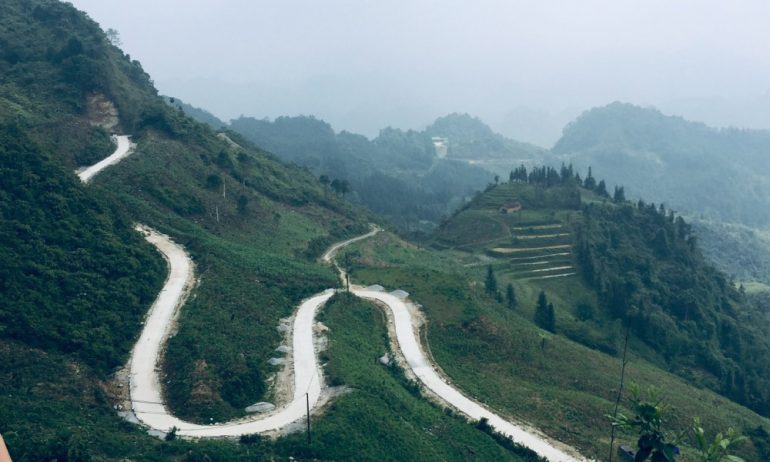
x,y
545,316
601,189
510,296
620,194
590,181
490,284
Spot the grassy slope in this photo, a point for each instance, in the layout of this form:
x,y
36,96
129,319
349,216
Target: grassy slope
x,y
382,403
252,263
565,388
273,222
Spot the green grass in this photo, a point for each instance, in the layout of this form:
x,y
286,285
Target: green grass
x,y
252,263
566,389
382,417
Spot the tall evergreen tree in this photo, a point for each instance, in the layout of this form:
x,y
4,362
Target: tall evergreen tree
x,y
601,189
490,284
510,296
619,195
590,181
544,313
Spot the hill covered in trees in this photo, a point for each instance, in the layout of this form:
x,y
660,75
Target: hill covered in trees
x,y
77,280
470,138
719,178
722,174
534,284
643,263
397,174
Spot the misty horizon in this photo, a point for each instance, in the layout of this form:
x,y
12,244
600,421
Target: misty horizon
x,y
526,70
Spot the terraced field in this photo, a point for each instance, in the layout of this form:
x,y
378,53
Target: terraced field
x,y
534,243
537,251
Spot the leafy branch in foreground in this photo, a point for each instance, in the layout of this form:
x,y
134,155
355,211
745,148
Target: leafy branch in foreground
x,y
657,445
718,449
654,443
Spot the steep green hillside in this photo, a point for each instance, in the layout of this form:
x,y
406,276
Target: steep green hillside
x,y
723,174
380,398
57,69
719,176
602,265
76,279
643,264
68,260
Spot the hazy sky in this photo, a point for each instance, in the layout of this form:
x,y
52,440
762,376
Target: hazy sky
x,y
524,67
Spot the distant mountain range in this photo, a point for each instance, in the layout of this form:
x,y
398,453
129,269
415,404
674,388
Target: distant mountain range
x,y
723,174
398,174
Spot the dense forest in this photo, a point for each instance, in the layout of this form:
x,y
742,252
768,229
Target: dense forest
x,y
720,173
646,266
398,174
76,279
397,162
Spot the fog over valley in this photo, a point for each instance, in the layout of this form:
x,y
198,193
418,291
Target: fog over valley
x,y
526,68
385,231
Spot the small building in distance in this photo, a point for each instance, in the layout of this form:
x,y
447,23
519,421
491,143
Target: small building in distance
x,y
441,145
511,207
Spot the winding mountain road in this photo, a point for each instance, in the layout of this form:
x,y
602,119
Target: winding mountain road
x,y
144,363
123,149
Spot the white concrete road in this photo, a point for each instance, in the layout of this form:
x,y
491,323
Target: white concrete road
x,y
146,392
424,370
146,397
145,388
122,151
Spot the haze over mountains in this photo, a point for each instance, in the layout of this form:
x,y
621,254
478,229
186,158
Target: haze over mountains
x,y
365,66
525,280
717,177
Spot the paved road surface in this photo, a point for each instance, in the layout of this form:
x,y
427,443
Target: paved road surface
x,y
121,152
146,392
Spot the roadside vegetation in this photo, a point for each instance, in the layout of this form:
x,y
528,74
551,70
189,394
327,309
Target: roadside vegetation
x,y
564,377
383,415
76,280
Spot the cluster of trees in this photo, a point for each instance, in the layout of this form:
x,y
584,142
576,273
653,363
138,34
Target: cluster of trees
x,y
75,277
341,187
545,316
490,287
649,273
566,175
396,175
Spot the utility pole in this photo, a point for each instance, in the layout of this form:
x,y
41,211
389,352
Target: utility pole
x,y
216,208
224,189
620,390
307,402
